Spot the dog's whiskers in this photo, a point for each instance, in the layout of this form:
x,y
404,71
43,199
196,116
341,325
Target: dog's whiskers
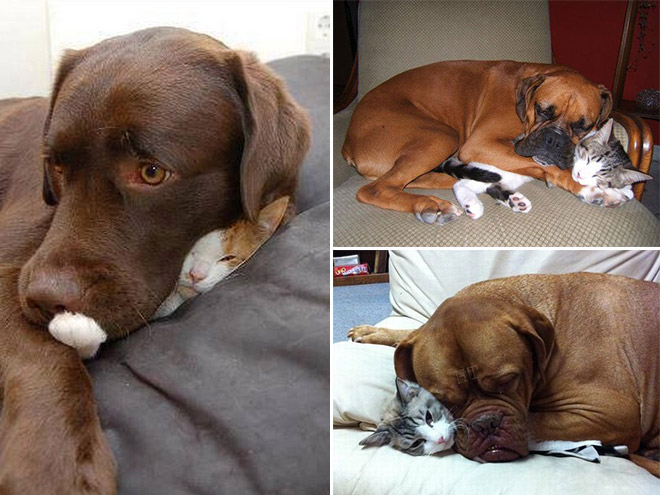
x,y
139,313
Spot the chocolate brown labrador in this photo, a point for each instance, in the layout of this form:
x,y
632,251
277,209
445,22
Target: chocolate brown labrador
x,y
149,141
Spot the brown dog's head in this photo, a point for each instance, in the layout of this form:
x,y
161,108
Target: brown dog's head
x,y
153,139
558,109
482,358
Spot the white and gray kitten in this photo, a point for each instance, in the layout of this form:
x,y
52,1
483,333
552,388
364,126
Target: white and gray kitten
x,y
415,423
601,161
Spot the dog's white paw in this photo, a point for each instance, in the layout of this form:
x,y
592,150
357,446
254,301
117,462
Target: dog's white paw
x,y
519,203
78,331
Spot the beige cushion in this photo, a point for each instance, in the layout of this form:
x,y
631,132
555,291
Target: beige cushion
x,y
398,35
363,382
341,171
557,219
377,471
420,280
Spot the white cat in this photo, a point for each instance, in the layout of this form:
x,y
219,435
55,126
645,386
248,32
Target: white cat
x,y
220,252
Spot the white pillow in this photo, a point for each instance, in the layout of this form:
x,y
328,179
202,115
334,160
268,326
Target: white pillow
x,y
362,382
421,280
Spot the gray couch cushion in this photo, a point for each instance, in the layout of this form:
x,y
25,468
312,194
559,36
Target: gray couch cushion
x,y
231,393
307,79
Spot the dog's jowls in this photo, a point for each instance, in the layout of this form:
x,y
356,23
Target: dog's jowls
x,y
149,141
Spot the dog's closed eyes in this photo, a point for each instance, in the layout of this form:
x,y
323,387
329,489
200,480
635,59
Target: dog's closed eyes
x,y
152,140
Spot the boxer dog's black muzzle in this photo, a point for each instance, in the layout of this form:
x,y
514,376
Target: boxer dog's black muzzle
x,y
547,146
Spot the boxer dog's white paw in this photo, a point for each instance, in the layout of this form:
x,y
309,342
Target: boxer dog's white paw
x,y
78,331
519,203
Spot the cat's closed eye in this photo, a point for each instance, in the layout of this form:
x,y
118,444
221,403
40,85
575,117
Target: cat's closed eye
x,y
417,443
227,257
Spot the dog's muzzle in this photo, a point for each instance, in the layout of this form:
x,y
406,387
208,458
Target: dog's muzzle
x,y
547,146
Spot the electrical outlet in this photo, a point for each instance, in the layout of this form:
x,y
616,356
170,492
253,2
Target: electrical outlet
x,y
319,29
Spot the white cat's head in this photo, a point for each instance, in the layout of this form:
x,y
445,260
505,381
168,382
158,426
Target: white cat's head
x,y
208,262
219,252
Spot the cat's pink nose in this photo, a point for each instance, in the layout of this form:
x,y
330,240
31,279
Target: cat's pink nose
x,y
441,440
196,275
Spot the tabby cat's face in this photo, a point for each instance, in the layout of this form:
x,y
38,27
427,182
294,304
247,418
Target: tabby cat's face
x,y
418,425
424,427
601,161
589,166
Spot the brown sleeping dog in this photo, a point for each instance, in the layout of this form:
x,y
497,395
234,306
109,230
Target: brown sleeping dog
x,y
148,142
555,357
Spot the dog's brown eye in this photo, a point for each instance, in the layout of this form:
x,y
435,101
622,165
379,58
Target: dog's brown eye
x,y
153,174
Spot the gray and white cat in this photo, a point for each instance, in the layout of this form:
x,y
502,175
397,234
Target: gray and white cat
x,y
601,161
477,178
600,164
415,423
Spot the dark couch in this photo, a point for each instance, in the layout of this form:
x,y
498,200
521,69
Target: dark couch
x,y
230,395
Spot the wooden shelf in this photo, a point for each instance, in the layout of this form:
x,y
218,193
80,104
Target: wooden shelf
x,y
372,278
630,107
378,264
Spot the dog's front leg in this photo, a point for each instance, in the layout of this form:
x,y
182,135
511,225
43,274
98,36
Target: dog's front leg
x,y
51,440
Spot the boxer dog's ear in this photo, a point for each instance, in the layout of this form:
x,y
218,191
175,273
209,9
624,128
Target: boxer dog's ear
x,y
524,92
403,365
606,104
538,329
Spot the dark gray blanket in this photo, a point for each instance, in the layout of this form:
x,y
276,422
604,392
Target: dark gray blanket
x,y
230,395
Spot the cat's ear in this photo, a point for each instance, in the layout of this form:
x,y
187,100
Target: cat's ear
x,y
406,391
382,436
272,214
603,134
631,176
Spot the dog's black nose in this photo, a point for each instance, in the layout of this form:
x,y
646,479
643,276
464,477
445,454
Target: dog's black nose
x,y
487,424
556,139
52,292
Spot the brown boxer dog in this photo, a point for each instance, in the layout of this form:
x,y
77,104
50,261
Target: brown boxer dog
x,y
551,357
404,128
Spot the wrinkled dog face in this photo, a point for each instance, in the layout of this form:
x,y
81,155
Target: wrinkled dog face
x,y
150,144
557,110
480,360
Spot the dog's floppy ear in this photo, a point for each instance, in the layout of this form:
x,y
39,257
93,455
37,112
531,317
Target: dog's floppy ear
x,y
524,92
606,104
69,60
276,132
403,362
541,333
